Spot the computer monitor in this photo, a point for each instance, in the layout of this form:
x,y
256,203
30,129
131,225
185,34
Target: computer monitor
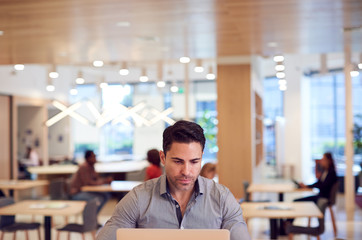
x,y
174,234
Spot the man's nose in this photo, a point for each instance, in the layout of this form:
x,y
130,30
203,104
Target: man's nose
x,y
185,169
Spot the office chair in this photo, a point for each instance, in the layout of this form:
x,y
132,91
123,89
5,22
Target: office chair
x,y
89,222
314,231
247,195
58,189
8,224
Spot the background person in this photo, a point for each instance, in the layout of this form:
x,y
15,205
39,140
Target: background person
x,y
325,182
87,176
154,170
208,170
31,158
179,199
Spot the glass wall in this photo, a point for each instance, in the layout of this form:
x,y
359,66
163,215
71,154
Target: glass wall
x,y
272,109
327,113
117,133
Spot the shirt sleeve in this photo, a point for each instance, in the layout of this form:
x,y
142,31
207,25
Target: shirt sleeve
x,y
124,216
233,219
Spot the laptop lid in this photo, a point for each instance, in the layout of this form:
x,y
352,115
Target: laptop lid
x,y
174,234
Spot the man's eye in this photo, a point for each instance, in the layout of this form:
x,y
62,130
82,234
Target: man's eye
x,y
178,162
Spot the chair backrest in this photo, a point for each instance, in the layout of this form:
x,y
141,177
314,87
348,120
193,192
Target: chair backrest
x,y
6,220
90,216
333,194
57,189
322,204
315,231
247,195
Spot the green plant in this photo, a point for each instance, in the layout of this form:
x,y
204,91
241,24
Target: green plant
x,y
357,134
208,123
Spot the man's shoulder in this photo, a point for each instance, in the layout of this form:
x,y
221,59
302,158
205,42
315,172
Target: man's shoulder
x,y
210,186
148,187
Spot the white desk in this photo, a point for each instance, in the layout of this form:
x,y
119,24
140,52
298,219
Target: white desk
x,y
279,188
46,208
108,167
279,210
115,186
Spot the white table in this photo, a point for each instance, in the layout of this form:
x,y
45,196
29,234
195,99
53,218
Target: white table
x,y
279,210
46,208
115,186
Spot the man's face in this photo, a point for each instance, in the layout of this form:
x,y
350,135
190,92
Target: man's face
x,y
92,159
182,165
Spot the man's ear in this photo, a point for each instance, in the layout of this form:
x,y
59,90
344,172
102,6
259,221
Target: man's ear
x,y
162,157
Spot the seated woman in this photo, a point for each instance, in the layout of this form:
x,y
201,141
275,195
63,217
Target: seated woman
x,y
154,170
325,182
208,170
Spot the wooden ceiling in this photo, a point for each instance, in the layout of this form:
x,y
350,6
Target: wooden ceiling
x,y
78,32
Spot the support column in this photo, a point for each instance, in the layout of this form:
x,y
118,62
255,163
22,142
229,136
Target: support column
x,y
187,92
234,105
348,176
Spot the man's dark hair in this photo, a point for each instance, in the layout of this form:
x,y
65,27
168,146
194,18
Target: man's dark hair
x,y
153,156
183,132
88,153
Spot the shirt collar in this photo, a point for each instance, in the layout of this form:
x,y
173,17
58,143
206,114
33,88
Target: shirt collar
x,y
199,185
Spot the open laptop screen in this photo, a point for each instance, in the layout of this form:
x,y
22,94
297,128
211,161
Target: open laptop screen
x,y
174,234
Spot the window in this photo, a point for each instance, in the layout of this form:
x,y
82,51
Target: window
x,y
272,108
109,138
206,118
327,112
116,136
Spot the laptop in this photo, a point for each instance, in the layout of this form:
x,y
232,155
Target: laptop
x,y
174,234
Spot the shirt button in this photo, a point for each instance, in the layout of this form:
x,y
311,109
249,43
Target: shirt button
x,y
177,206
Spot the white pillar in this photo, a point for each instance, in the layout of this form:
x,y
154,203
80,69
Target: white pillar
x,y
297,144
348,177
187,91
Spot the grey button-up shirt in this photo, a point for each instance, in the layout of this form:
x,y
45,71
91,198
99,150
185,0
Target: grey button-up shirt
x,y
150,205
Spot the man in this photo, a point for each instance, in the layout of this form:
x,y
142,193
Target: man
x,y
180,198
85,176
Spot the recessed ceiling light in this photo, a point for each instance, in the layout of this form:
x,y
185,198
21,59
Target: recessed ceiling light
x,y
53,75
123,71
161,84
103,85
174,89
73,91
184,60
354,73
282,87
278,58
280,67
19,67
50,88
210,76
123,24
79,80
98,63
143,79
280,75
282,82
